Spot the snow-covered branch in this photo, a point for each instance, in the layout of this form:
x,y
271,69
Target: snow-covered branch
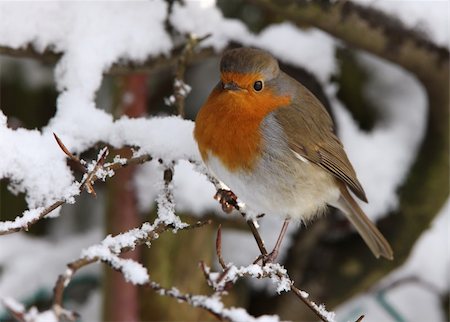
x,y
108,252
123,67
94,171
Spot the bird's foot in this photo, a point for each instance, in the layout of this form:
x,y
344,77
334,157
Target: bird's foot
x,y
227,199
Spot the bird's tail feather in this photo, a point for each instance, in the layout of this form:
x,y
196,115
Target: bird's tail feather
x,y
368,231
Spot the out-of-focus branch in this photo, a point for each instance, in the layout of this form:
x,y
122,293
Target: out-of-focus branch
x,y
47,56
427,187
123,67
181,89
364,28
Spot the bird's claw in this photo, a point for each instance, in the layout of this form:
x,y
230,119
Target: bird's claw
x,y
227,199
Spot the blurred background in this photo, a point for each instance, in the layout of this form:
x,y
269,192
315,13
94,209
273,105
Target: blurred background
x,y
394,125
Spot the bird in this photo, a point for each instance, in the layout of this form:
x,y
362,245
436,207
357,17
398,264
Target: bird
x,y
266,137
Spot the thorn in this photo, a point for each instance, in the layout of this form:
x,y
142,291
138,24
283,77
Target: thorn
x,y
67,152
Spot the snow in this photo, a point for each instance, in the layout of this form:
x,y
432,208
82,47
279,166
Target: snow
x,y
108,251
34,164
197,18
33,315
64,26
431,17
31,264
383,157
91,37
417,299
23,221
300,48
277,274
176,143
13,304
232,314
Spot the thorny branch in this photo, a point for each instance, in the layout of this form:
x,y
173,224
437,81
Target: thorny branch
x,y
147,233
143,235
90,177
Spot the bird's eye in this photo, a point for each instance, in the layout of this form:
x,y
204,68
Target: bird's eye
x,y
258,85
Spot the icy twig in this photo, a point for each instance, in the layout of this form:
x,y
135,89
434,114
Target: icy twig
x,y
108,252
211,304
28,218
274,271
97,170
93,170
18,311
68,153
166,202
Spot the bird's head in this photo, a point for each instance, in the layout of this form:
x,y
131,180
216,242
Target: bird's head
x,y
246,71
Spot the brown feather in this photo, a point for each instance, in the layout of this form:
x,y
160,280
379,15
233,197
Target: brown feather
x,y
368,231
309,130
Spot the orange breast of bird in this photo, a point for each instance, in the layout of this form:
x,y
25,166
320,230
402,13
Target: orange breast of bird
x,y
228,125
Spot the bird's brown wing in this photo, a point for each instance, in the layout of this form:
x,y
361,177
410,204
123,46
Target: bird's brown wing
x,y
309,130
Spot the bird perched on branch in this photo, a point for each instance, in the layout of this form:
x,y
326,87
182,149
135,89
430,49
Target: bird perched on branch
x,y
271,141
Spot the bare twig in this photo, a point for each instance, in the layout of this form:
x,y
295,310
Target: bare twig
x,y
211,304
20,224
360,318
68,153
180,88
319,310
17,225
143,235
88,180
17,310
219,247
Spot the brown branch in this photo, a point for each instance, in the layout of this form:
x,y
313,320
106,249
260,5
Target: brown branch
x,y
16,310
426,188
124,67
181,89
72,267
360,318
186,298
68,153
87,183
219,247
311,305
298,293
41,215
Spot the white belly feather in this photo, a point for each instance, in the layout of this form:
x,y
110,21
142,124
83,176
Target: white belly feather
x,y
299,190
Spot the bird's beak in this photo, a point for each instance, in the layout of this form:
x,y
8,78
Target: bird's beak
x,y
231,86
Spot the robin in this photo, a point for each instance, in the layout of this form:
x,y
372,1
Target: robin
x,y
270,140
